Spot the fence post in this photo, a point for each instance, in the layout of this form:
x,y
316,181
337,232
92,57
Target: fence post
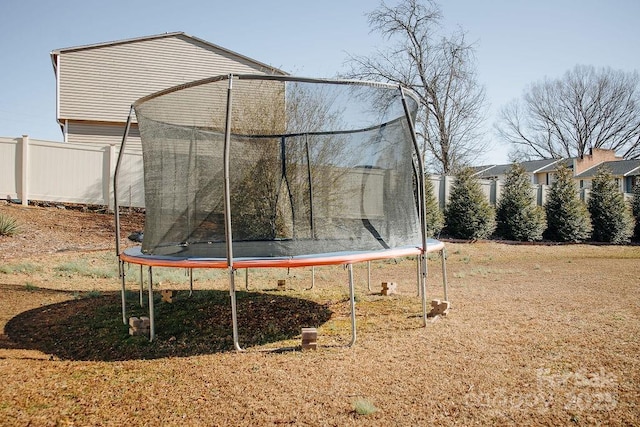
x,y
444,190
495,191
584,194
24,171
542,194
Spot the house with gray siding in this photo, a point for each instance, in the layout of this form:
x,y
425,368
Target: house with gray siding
x,y
537,170
96,84
626,172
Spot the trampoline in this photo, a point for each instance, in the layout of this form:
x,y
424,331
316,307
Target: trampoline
x,y
259,171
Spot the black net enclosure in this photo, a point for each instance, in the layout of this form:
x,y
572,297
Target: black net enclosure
x,y
282,166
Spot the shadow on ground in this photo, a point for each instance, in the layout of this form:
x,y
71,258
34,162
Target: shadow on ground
x,y
91,328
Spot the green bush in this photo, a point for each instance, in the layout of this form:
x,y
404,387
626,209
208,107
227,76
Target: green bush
x,y
8,225
635,208
567,216
433,214
468,215
517,215
610,216
364,407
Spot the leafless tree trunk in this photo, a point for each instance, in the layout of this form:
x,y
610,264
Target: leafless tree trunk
x,y
440,69
585,109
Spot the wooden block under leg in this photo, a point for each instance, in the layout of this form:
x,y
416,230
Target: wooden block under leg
x,y
309,338
168,295
139,326
138,332
439,308
146,322
389,288
309,334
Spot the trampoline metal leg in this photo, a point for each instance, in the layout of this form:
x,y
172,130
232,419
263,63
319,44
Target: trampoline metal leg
x,y
352,300
418,284
369,275
443,253
141,287
423,287
190,281
246,278
152,325
234,312
123,292
313,278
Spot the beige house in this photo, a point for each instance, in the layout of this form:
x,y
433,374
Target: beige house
x,y
625,172
96,84
543,172
539,171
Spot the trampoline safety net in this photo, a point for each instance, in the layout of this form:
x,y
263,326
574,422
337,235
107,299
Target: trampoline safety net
x,y
314,167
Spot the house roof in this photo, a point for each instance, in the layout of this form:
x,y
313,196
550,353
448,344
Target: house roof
x,y
552,167
531,166
55,53
617,168
480,170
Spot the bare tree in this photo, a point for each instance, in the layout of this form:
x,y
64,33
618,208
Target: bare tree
x,y
442,72
566,117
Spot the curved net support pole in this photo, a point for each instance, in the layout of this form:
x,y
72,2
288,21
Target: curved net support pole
x,y
421,208
227,217
352,301
116,208
152,323
123,292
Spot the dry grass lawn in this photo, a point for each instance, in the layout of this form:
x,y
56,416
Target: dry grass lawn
x,y
538,335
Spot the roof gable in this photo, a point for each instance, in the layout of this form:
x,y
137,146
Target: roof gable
x,y
267,68
553,167
617,168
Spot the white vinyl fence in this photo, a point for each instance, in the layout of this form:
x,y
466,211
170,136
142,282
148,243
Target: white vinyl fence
x,y
83,173
492,189
69,172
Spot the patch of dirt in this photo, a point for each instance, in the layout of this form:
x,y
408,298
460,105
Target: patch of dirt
x,y
191,325
49,228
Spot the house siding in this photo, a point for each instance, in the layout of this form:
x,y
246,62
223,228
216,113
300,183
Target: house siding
x,y
100,83
101,133
257,106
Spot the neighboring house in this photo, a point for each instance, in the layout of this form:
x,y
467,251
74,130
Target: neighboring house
x,y
625,172
539,171
96,84
543,172
549,172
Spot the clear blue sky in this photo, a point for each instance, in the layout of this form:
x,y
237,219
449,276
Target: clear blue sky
x,y
519,42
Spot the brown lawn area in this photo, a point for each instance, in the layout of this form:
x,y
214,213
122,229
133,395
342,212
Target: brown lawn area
x,y
538,335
